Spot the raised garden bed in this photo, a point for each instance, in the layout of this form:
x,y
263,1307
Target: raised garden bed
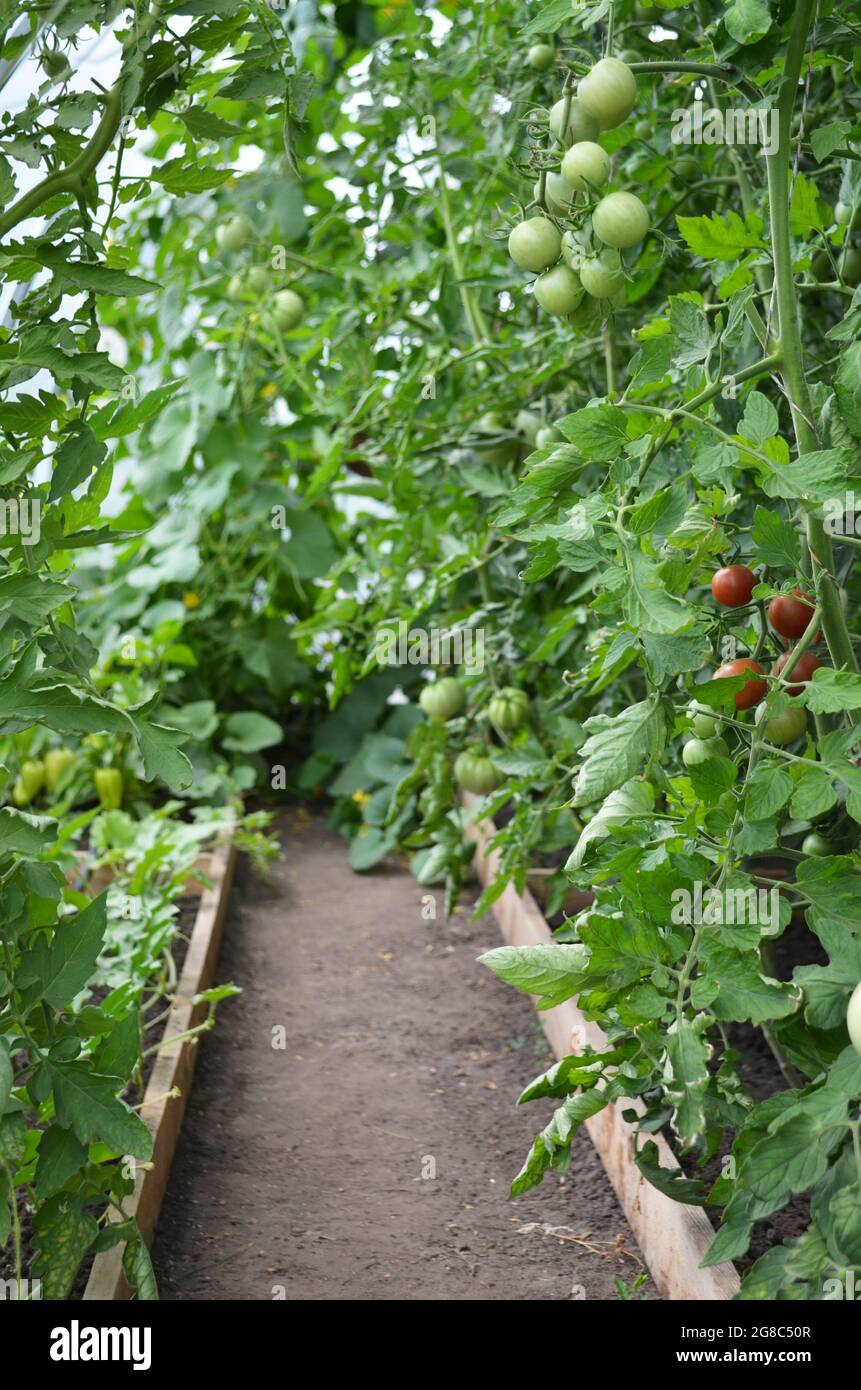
x,y
169,1083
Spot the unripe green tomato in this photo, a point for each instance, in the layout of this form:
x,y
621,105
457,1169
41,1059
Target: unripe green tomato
x,y
56,761
535,244
620,220
257,279
558,291
558,194
443,698
847,216
235,289
30,782
586,166
109,787
853,1017
685,166
821,268
850,267
475,772
580,125
540,57
816,845
528,425
701,750
235,234
572,251
508,709
547,437
644,129
703,722
54,64
784,728
601,278
288,309
608,92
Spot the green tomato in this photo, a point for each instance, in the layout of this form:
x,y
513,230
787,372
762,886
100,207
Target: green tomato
x,y
235,288
572,251
703,722
643,129
853,1017
847,216
547,437
55,64
288,309
558,291
608,92
443,698
701,750
109,786
620,220
816,846
850,267
540,57
528,425
30,782
600,277
685,166
784,728
234,235
56,761
476,772
257,279
586,166
535,244
508,709
558,194
579,126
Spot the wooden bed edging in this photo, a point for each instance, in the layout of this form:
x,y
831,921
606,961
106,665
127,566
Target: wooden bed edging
x,y
173,1068
672,1237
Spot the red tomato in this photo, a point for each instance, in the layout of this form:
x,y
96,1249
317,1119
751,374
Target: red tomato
x,y
754,691
803,669
733,585
791,616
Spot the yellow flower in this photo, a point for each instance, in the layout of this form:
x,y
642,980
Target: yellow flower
x,y
190,599
361,798
268,391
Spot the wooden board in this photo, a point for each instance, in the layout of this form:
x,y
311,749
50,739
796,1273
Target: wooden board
x,y
173,1069
672,1237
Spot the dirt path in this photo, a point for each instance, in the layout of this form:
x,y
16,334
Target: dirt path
x,y
369,1158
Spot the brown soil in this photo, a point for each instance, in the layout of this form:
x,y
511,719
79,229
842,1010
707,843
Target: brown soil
x,y
302,1171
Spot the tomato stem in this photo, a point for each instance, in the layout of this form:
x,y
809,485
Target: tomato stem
x,y
801,407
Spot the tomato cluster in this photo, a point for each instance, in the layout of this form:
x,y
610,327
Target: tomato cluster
x,y
285,309
584,259
507,710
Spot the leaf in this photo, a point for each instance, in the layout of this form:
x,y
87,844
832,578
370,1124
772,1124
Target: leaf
x,y
686,1076
777,542
62,967
63,1234
77,457
552,972
180,176
91,275
162,758
617,748
88,1104
768,791
825,139
61,1155
817,476
598,431
743,992
137,1267
7,1078
249,732
21,833
760,420
203,125
671,1181
718,238
549,18
747,21
633,799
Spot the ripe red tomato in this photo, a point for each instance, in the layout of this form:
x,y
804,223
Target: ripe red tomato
x,y
754,691
791,616
803,669
732,586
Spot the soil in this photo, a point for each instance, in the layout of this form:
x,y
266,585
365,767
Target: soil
x,y
365,1151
